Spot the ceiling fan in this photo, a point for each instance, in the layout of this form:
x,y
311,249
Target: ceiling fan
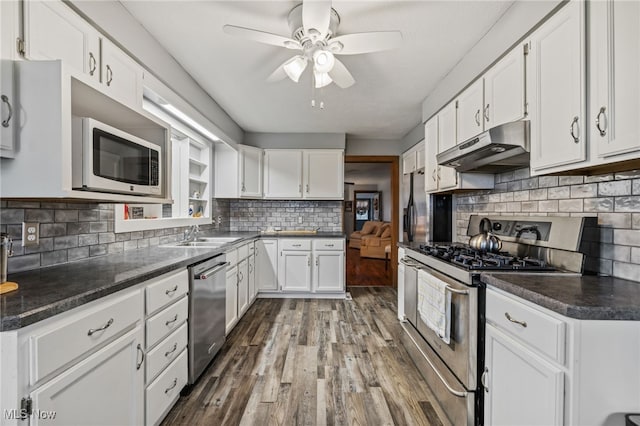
x,y
313,25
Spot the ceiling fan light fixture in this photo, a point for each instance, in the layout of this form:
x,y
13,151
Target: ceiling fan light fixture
x,y
336,47
295,67
323,61
321,79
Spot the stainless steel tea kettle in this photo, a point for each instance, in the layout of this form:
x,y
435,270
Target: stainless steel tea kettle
x,y
6,251
485,240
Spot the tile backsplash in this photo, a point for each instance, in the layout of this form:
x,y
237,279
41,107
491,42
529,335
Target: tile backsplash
x,y
613,248
75,231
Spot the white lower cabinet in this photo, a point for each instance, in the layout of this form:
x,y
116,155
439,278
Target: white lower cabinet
x,y
243,287
523,389
105,388
328,268
294,265
543,368
251,266
267,265
231,310
167,310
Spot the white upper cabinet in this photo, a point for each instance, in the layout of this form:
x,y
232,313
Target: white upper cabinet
x,y
9,31
312,174
431,150
413,159
556,90
324,174
504,90
282,173
614,107
120,74
53,31
469,118
447,176
250,164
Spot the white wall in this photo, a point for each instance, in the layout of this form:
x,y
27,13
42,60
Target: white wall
x,y
413,137
516,22
113,19
295,140
357,146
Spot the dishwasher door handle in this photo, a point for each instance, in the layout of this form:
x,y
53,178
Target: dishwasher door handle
x,y
206,274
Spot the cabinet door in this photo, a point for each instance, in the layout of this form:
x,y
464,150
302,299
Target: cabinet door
x,y
409,162
9,31
520,387
614,117
231,311
431,151
469,120
324,174
243,287
79,395
121,75
267,265
53,31
557,90
447,176
294,270
504,90
420,157
253,289
282,173
250,172
328,271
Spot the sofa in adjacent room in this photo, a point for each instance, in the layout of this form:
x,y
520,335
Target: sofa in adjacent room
x,y
374,245
370,227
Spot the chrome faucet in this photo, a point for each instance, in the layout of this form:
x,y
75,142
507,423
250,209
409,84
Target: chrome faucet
x,y
192,233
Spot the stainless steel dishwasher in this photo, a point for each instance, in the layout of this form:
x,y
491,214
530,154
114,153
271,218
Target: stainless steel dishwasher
x,y
207,292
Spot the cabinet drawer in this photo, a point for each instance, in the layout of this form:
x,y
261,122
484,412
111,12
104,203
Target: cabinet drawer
x,y
165,390
232,257
166,351
166,321
166,289
328,244
66,340
542,332
243,251
295,244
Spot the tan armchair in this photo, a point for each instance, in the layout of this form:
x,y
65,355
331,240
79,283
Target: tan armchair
x,y
370,227
374,245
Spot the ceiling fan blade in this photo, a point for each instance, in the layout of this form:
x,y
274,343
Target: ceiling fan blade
x,y
316,15
341,75
354,44
261,37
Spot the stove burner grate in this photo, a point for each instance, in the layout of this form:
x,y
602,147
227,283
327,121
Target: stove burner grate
x,y
470,258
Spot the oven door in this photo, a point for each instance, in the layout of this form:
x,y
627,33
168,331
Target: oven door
x,y
461,354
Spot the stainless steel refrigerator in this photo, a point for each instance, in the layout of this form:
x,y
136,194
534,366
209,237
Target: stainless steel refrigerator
x,y
414,200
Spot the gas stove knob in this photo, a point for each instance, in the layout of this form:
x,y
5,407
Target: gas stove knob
x,y
497,226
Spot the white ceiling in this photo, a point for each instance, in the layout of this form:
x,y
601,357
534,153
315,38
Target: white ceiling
x,y
385,102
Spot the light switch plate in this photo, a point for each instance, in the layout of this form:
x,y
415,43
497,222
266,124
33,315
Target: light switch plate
x,y
30,234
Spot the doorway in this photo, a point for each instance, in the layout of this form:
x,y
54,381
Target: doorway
x,y
372,194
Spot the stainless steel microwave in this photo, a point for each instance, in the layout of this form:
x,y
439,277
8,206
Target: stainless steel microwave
x,y
106,159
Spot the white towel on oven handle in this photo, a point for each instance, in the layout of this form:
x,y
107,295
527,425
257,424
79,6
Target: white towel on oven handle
x,y
434,304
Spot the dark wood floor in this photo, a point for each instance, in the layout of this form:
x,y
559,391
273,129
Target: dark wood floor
x,y
366,271
312,362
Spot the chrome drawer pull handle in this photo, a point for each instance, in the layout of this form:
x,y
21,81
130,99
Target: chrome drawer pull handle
x,y
175,346
477,117
297,245
109,75
329,245
483,379
139,348
5,99
173,290
92,63
175,318
175,383
515,321
574,124
104,327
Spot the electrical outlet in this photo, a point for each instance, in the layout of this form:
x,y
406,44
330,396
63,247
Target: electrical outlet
x,y
299,219
30,234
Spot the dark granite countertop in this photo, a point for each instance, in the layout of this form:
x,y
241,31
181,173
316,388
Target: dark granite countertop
x,y
586,297
52,290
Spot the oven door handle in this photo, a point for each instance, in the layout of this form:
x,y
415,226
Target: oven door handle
x,y
456,291
461,394
410,264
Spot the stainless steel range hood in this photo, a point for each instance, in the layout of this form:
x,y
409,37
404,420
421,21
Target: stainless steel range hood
x,y
499,149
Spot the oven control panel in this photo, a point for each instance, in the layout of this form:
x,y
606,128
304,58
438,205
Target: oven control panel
x,y
522,229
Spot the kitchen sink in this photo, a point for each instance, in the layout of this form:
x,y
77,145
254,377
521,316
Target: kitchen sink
x,y
205,242
221,240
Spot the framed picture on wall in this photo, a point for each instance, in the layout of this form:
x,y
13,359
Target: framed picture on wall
x,y
362,209
348,206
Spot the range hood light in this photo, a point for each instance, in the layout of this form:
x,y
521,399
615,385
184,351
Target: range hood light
x,y
498,149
